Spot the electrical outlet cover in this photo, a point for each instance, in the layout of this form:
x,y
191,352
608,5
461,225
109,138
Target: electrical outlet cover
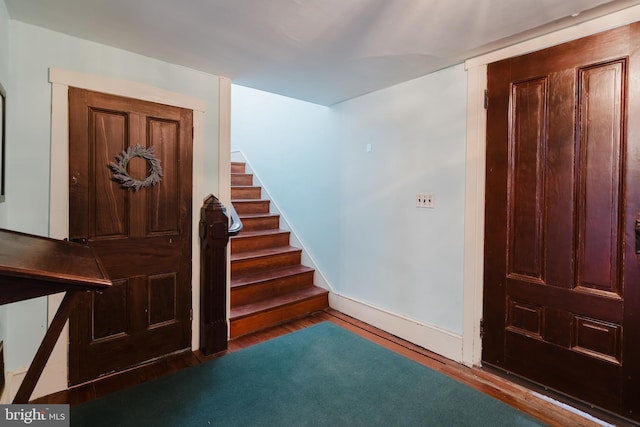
x,y
425,200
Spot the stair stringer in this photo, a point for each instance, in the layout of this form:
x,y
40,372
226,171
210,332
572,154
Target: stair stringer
x,y
319,279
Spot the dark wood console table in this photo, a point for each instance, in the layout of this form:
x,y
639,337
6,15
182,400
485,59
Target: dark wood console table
x,y
33,266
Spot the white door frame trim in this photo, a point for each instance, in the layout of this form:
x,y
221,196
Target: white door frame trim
x,y
476,161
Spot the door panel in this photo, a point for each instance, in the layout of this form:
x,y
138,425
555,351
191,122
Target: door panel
x,y
164,200
110,204
560,265
143,238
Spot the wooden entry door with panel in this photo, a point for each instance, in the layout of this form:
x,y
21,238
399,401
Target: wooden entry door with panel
x,y
142,237
562,278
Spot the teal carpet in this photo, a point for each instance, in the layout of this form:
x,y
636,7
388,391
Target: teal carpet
x,y
319,376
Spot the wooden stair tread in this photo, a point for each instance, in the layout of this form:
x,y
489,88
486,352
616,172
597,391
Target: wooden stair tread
x,y
248,200
241,179
276,302
246,186
260,221
246,206
252,233
272,274
252,240
257,215
264,252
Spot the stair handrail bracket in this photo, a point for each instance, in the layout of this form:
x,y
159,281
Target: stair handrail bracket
x,y
236,223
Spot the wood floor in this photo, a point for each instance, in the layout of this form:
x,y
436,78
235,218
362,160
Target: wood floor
x,y
488,382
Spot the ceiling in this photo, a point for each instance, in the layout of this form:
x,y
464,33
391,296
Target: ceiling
x,y
321,51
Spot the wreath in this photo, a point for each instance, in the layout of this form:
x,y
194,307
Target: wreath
x,y
121,174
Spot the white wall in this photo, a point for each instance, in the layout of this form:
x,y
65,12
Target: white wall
x,y
33,51
294,149
394,256
379,249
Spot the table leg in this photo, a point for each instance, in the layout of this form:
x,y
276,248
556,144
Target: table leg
x,y
46,347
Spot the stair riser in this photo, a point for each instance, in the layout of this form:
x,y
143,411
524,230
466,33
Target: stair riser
x,y
253,265
257,206
238,167
262,320
269,288
246,193
252,243
260,223
241,179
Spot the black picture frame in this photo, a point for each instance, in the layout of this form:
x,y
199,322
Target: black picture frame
x,y
3,132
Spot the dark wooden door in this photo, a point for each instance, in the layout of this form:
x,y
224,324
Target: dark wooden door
x,y
562,278
143,237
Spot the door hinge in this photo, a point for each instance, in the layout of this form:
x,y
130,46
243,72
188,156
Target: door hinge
x,y
482,328
191,314
486,99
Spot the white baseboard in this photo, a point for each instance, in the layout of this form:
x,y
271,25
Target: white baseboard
x,y
12,383
5,396
430,337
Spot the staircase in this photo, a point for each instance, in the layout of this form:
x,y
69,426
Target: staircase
x,y
269,285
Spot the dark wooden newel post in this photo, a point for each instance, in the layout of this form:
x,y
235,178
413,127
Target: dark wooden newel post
x,y
214,236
